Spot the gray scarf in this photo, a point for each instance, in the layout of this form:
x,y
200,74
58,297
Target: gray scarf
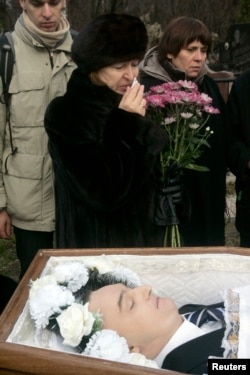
x,y
165,72
48,39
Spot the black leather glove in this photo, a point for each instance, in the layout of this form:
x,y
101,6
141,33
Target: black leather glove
x,y
174,187
172,205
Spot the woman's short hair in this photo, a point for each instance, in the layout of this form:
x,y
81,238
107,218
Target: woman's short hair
x,y
179,33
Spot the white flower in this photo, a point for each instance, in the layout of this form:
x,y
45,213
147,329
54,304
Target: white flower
x,y
40,284
169,120
101,263
186,115
74,274
107,344
46,300
74,323
126,275
194,126
141,360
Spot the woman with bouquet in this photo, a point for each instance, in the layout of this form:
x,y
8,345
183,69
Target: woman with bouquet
x,y
181,55
104,149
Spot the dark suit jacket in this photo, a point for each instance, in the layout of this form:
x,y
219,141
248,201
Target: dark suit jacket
x,y
191,357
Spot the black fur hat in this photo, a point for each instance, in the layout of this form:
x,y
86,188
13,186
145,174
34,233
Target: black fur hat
x,y
108,39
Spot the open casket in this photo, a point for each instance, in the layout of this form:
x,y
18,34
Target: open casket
x,y
188,275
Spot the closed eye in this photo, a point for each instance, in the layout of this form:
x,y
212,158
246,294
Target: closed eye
x,y
132,305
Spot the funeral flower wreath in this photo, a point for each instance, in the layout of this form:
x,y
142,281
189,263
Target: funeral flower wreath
x,y
55,304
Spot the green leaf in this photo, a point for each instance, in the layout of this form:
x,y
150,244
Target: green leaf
x,y
196,167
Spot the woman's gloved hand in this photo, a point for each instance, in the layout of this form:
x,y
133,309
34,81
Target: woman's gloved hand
x,y
174,187
172,205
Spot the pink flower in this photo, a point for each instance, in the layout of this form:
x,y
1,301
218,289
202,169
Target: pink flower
x,y
210,109
155,101
189,85
181,104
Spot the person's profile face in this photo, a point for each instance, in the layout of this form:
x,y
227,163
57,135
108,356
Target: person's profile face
x,y
190,59
119,76
136,314
45,15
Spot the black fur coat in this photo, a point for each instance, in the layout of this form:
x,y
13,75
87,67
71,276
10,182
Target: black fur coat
x,y
104,162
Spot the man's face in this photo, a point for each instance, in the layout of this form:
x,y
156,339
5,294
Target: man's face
x,y
145,320
44,14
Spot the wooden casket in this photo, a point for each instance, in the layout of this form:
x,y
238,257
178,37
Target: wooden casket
x,y
189,275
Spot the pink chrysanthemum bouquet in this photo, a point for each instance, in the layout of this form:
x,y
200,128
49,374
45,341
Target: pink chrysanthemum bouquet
x,y
183,112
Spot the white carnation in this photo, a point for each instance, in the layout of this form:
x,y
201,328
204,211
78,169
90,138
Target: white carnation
x,y
102,264
107,344
40,284
74,274
47,300
123,274
74,323
141,360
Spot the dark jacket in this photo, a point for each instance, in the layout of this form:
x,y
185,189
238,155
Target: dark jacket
x,y
238,147
104,162
206,190
191,357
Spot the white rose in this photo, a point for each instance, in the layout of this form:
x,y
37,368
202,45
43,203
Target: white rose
x,y
74,323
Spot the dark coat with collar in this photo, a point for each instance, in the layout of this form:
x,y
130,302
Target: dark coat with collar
x,y
192,356
238,148
206,190
104,164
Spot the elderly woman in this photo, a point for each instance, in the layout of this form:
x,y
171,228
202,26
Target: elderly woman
x,y
104,150
181,55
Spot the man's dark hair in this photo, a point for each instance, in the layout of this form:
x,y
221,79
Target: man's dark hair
x,y
95,282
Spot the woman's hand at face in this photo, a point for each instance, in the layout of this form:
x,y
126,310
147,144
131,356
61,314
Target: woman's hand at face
x,y
133,101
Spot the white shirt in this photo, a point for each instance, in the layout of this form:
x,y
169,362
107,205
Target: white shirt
x,y
186,332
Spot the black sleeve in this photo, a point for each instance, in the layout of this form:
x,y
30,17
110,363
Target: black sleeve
x,y
238,127
108,170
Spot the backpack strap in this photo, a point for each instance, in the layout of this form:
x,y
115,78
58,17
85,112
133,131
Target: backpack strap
x,y
7,59
73,33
